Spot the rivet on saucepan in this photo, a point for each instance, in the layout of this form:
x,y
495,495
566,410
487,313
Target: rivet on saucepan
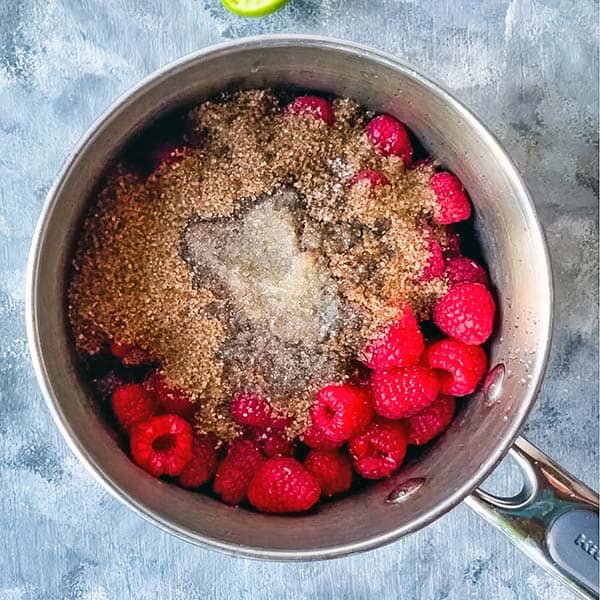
x,y
404,490
492,385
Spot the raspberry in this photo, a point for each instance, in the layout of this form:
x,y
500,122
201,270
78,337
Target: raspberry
x,y
464,270
398,344
452,246
466,313
399,393
332,469
452,203
429,423
380,450
236,470
129,354
459,368
251,410
107,384
283,485
341,411
273,442
316,107
167,153
374,178
131,404
162,445
171,399
390,138
313,437
435,263
203,464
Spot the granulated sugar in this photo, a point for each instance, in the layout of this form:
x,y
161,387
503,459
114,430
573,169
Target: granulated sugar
x,y
253,263
282,309
268,279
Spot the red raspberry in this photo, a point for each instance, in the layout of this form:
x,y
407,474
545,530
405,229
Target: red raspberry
x,y
452,246
162,445
341,411
435,263
129,354
398,344
313,437
380,450
107,384
273,442
332,469
236,470
374,178
452,203
283,485
466,313
167,153
131,404
316,107
170,398
399,393
251,410
203,464
390,138
429,423
458,367
464,270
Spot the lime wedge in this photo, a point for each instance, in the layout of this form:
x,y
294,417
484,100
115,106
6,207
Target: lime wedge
x,y
253,8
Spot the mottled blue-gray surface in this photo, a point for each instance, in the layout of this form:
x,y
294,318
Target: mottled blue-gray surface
x,y
527,67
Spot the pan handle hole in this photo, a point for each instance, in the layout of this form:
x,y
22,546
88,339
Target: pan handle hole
x,y
506,480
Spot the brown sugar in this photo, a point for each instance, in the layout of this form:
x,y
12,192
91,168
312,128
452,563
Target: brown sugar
x,y
253,263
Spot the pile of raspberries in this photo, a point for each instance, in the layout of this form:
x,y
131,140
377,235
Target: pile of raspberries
x,y
357,431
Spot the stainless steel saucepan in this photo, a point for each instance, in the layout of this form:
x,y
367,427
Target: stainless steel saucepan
x,y
554,519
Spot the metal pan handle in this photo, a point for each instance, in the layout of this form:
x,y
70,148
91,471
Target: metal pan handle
x,y
553,519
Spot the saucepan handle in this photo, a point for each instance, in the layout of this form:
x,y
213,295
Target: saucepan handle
x,y
553,519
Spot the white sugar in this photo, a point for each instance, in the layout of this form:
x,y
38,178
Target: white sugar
x,y
283,309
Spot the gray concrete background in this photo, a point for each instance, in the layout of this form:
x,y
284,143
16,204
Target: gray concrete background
x,y
529,68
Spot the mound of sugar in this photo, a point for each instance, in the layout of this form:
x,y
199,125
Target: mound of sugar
x,y
283,311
